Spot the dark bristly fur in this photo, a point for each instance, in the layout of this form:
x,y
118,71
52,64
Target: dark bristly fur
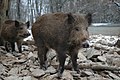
x,y
63,32
14,31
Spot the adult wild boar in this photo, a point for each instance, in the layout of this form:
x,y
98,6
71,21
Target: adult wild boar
x,y
14,31
64,32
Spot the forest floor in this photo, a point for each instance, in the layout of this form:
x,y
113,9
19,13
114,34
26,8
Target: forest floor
x,y
99,62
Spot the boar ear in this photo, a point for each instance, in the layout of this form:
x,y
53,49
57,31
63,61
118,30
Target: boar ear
x,y
28,24
17,23
70,18
89,18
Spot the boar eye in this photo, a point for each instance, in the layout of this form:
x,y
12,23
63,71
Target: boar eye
x,y
77,29
21,28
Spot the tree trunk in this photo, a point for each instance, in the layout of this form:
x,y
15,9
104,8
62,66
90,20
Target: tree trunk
x,y
18,8
3,14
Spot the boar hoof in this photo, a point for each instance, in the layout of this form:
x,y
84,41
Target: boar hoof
x,y
59,75
44,67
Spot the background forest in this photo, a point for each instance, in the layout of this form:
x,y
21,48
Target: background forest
x,y
103,11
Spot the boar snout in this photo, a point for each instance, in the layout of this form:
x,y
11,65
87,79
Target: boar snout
x,y
26,34
85,44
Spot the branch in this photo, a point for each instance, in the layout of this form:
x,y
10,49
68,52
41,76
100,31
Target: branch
x,y
93,66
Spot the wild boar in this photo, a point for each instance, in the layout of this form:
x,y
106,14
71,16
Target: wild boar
x,y
64,32
14,31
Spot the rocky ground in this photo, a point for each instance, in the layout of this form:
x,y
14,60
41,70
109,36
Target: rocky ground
x,y
99,62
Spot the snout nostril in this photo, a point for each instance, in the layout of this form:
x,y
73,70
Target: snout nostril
x,y
86,45
28,34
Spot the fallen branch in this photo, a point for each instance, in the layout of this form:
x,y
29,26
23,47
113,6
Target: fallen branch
x,y
92,66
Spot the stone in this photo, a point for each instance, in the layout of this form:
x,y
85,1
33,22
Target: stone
x,y
19,61
38,72
2,69
51,54
101,58
92,52
113,75
27,78
51,70
13,71
81,56
86,73
67,75
9,55
12,78
25,72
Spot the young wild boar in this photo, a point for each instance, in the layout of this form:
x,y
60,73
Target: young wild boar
x,y
14,31
64,32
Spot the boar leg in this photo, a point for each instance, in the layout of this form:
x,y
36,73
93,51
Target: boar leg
x,y
73,54
6,46
61,58
42,51
12,46
19,45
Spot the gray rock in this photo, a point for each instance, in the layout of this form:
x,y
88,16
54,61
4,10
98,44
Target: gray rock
x,y
12,78
98,78
92,52
13,71
81,56
38,72
32,54
18,78
18,61
2,69
113,75
9,55
67,75
101,58
50,69
87,73
27,78
25,72
51,54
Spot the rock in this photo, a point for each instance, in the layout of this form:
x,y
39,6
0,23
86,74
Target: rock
x,y
27,78
116,62
92,53
98,78
25,72
33,78
16,54
51,54
67,75
19,61
50,69
101,58
81,56
30,55
13,71
49,77
38,72
113,75
86,73
9,55
18,78
2,69
83,78
12,78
